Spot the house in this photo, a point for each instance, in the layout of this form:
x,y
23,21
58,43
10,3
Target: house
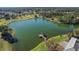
x,y
72,45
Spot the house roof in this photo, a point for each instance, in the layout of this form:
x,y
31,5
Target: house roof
x,y
71,43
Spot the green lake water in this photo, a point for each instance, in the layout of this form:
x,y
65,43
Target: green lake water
x,y
27,32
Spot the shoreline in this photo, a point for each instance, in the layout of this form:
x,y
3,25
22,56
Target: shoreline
x,y
6,22
4,45
58,39
14,20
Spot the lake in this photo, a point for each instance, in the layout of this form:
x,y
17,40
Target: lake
x,y
27,32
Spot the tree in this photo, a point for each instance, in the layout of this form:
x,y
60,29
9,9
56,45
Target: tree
x,y
6,35
7,16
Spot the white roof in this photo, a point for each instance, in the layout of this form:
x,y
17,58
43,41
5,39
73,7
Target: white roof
x,y
71,43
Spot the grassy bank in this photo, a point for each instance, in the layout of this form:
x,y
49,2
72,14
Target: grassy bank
x,y
42,46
